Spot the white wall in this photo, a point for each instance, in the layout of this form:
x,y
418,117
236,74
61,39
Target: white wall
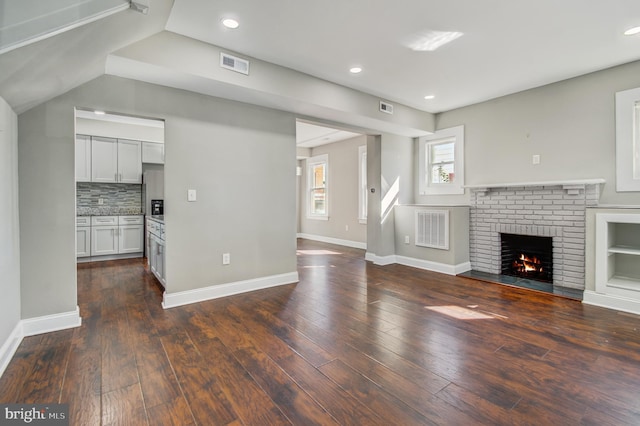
x,y
239,158
343,193
9,231
570,124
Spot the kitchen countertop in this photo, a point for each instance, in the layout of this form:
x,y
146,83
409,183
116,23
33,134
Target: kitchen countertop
x,y
157,217
108,211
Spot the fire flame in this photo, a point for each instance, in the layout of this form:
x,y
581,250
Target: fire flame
x,y
527,264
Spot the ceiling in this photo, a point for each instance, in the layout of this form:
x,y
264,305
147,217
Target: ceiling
x,y
506,46
310,135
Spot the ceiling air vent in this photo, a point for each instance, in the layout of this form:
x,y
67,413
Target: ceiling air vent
x,y
234,64
385,107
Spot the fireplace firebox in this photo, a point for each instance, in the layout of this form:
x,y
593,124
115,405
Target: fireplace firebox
x,y
527,256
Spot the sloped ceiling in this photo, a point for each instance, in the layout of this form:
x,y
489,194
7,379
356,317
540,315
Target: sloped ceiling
x,y
41,71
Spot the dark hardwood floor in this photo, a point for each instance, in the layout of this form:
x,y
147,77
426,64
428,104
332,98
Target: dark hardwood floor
x,y
352,343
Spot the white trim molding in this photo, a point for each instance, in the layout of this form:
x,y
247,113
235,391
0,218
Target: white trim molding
x,y
54,322
171,300
427,265
10,346
330,240
380,260
618,303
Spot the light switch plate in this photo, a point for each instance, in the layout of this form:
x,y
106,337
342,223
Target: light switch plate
x,y
535,159
191,195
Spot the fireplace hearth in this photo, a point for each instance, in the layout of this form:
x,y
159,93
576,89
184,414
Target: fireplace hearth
x,y
527,256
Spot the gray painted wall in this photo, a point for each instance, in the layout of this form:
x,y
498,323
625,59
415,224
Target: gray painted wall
x,y
570,124
343,193
396,188
458,252
9,223
240,159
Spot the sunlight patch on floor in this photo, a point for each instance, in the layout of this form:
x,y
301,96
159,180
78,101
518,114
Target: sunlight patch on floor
x,y
459,312
316,252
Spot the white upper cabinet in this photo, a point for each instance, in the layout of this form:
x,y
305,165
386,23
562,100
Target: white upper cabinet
x,y
153,152
129,161
104,159
83,158
116,160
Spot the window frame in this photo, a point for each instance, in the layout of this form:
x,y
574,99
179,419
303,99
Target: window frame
x,y
628,140
311,163
363,191
426,186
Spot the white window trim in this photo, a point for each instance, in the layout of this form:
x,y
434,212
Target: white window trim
x,y
627,141
310,162
362,185
457,186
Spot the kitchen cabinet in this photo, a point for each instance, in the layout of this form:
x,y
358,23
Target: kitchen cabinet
x,y
115,160
104,235
130,234
111,235
155,255
83,236
83,158
153,152
129,161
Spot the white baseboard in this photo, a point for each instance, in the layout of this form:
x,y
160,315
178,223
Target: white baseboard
x,y
10,346
49,323
618,303
337,241
380,260
171,300
428,265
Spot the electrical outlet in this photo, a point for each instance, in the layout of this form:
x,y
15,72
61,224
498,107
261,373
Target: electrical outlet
x,y
406,239
100,201
226,258
346,227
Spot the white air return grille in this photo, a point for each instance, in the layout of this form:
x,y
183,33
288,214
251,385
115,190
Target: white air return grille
x,y
432,229
386,107
234,63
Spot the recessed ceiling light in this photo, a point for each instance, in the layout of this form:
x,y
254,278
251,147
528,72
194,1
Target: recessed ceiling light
x,y
98,112
632,31
230,23
355,70
428,97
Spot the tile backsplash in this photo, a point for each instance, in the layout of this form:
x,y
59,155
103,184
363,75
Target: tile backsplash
x,y
118,199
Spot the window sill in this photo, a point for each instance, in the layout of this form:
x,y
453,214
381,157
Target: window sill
x,y
318,217
362,221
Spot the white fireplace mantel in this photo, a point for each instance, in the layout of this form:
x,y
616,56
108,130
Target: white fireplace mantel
x,y
571,186
545,183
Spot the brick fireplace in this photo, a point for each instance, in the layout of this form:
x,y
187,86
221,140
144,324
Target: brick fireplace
x,y
554,209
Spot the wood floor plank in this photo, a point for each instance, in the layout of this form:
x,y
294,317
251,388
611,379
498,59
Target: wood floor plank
x,y
82,385
249,401
294,402
124,406
204,394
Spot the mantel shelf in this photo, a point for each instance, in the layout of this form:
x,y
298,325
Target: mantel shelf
x,y
545,183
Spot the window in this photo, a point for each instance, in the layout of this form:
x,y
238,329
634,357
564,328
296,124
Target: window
x,y
628,140
442,162
317,187
362,184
